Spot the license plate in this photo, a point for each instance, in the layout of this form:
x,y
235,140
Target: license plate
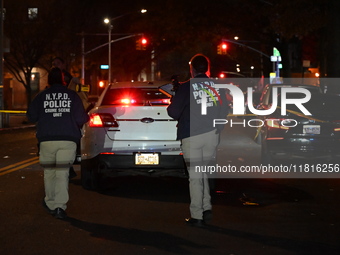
x,y
311,129
146,159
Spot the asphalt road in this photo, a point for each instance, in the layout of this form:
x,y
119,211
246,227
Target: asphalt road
x,y
141,215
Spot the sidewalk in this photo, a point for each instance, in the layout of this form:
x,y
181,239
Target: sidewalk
x,y
16,121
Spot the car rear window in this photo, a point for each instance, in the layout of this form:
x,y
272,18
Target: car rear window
x,y
135,96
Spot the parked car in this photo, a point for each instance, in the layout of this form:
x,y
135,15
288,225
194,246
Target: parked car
x,y
264,101
130,133
266,96
295,136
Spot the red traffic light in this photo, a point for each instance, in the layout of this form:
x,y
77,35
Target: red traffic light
x,y
222,48
141,43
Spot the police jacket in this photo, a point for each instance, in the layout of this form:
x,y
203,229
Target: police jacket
x,y
186,107
59,114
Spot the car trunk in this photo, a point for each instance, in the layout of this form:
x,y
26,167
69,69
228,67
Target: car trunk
x,y
324,119
142,123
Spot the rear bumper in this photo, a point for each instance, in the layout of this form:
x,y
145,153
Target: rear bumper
x,y
114,165
128,161
328,149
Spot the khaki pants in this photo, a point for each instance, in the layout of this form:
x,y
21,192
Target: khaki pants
x,y
198,151
56,157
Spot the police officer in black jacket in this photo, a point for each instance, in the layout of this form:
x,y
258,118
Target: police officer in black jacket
x,y
59,116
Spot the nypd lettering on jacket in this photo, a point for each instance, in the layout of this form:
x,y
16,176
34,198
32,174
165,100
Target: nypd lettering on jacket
x,y
57,104
202,89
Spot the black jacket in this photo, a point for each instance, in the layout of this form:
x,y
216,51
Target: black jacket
x,y
186,107
59,114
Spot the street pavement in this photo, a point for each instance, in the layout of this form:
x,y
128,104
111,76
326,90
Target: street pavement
x,y
15,121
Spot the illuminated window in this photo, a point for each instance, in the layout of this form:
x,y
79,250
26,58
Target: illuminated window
x,y
32,13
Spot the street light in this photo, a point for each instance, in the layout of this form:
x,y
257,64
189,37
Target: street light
x,y
108,22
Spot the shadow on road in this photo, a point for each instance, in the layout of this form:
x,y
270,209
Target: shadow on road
x,y
132,236
175,244
229,192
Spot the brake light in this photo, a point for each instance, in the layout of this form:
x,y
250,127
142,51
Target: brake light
x,y
166,101
96,121
102,120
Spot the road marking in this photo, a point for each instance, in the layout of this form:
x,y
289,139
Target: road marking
x,y
18,166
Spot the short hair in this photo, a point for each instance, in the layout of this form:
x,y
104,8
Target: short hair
x,y
200,63
55,76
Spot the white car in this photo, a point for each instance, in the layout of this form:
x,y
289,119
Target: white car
x,y
130,133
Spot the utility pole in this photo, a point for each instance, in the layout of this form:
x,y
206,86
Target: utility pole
x,y
82,59
1,62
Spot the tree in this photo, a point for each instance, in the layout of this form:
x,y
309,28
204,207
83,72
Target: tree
x,y
30,40
176,31
35,40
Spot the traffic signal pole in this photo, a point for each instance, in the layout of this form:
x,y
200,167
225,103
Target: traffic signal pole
x,y
1,63
83,54
107,21
251,48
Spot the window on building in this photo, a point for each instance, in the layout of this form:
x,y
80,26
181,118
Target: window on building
x,y
32,13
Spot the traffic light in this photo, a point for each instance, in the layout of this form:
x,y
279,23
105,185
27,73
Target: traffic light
x,y
102,84
222,48
141,43
222,75
144,42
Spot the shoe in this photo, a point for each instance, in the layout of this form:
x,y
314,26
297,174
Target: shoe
x,y
60,214
47,208
195,222
207,216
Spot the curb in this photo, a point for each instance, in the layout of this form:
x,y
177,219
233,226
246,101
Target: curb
x,y
16,128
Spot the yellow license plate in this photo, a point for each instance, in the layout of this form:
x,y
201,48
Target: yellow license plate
x,y
146,159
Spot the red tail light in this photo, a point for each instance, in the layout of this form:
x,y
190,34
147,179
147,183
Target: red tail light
x,y
102,120
166,101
